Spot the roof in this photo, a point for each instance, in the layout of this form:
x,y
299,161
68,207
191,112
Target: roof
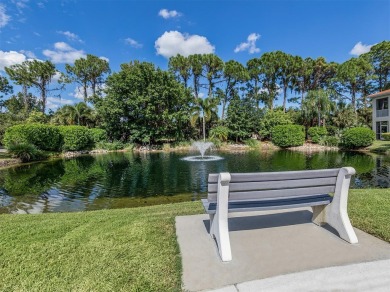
x,y
379,94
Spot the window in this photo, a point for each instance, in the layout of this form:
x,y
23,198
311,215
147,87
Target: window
x,y
382,104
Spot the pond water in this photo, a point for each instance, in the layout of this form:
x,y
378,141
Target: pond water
x,y
118,180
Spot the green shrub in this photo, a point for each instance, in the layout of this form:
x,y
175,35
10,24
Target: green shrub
x,y
288,135
115,145
98,135
75,138
44,137
332,130
271,119
358,137
252,143
166,147
25,152
329,141
220,132
316,133
386,136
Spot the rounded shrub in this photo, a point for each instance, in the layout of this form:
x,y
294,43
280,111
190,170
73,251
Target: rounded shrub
x,y
288,135
220,132
44,137
75,138
386,136
316,133
98,135
358,137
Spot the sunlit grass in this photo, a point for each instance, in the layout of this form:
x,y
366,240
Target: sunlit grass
x,y
123,249
380,146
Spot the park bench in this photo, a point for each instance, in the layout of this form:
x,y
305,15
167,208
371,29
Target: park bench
x,y
241,192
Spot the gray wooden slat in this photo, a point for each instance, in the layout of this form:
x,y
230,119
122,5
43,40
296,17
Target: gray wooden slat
x,y
283,175
212,197
274,185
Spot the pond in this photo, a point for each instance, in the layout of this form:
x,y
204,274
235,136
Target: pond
x,y
119,180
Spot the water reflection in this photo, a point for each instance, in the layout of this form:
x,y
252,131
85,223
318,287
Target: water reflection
x,y
125,180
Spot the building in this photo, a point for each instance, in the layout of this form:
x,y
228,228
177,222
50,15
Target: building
x,y
380,113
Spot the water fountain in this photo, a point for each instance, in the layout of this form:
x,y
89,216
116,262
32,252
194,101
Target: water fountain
x,y
202,147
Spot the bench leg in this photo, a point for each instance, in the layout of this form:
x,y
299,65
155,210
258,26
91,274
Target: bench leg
x,y
319,217
338,218
211,225
221,234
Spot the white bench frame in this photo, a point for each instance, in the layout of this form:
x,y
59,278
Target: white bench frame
x,y
335,213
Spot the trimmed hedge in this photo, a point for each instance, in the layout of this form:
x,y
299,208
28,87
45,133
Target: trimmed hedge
x,y
75,138
288,135
44,137
358,137
98,135
386,136
316,133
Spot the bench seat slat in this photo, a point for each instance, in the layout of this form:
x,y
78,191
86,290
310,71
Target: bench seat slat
x,y
269,194
283,175
274,185
283,203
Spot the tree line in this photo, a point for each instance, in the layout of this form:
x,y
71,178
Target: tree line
x,y
145,104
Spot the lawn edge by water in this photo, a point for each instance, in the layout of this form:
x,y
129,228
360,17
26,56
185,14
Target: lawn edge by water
x,y
123,249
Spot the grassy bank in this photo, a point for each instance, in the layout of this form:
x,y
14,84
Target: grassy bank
x,y
124,249
381,147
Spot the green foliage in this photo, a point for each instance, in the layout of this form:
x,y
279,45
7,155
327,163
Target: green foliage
x,y
332,130
358,137
329,141
386,136
271,119
75,138
220,132
37,117
44,137
316,133
252,143
288,135
25,152
242,118
98,135
144,104
111,146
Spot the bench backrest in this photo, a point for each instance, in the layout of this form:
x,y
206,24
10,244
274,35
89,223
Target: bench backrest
x,y
272,185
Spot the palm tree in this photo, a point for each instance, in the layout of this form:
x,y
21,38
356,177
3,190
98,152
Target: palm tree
x,y
204,108
318,104
80,114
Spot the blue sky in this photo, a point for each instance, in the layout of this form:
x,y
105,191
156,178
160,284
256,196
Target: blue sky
x,y
121,31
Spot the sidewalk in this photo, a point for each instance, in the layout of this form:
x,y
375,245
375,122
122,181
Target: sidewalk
x,y
272,250
371,276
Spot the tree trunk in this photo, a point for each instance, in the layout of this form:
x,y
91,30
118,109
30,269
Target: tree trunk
x,y
204,128
284,98
25,98
85,92
43,96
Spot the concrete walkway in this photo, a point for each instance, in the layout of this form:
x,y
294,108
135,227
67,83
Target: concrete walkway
x,y
268,246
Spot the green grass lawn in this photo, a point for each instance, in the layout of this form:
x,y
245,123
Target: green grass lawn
x,y
380,146
123,249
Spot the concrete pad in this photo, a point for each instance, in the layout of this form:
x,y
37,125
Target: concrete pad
x,y
266,244
372,276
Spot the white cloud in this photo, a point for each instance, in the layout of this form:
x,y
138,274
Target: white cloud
x,y
104,58
360,48
4,18
173,42
165,13
71,36
11,58
29,54
55,102
133,43
56,76
64,53
79,92
250,45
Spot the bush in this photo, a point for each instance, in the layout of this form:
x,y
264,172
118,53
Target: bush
x,y
25,152
332,130
44,137
386,136
98,135
115,145
220,132
358,137
329,141
252,143
316,133
75,138
288,135
272,119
